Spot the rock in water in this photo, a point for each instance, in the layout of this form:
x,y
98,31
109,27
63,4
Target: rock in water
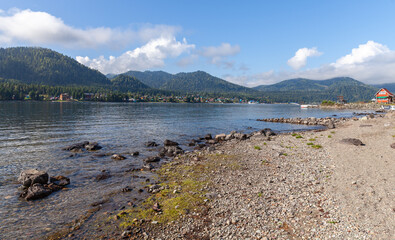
x,y
268,132
118,157
168,143
152,159
151,144
29,177
220,137
353,141
76,146
331,125
135,153
60,180
37,191
93,146
103,176
208,137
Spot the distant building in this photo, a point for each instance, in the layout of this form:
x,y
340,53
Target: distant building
x,y
384,96
64,97
89,96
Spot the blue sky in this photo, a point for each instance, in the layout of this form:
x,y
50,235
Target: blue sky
x,y
245,42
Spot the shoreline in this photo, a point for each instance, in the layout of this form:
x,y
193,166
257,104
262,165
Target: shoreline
x,y
232,165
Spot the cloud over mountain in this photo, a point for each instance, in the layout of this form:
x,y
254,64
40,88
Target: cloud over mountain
x,y
150,55
300,59
40,28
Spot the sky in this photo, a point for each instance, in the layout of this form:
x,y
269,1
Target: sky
x,y
245,42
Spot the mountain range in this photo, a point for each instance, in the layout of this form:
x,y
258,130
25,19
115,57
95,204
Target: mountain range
x,y
42,66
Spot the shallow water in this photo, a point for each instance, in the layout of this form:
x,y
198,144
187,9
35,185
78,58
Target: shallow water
x,y
32,135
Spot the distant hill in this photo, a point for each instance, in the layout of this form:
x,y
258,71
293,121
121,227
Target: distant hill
x,y
389,86
126,83
43,66
202,82
154,79
306,90
193,82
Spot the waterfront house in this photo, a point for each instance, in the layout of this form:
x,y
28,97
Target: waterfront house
x,y
64,97
384,96
88,96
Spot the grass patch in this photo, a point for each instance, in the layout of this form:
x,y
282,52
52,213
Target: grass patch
x,y
294,134
298,136
329,136
310,143
260,194
333,222
316,146
283,154
333,132
257,147
312,139
265,143
189,181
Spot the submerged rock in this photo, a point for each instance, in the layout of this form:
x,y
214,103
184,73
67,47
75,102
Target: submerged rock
x,y
151,144
103,176
168,143
93,146
76,146
118,157
60,180
32,176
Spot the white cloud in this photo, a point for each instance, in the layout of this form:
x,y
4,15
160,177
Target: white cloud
x,y
33,27
371,63
189,60
300,59
218,54
362,54
151,55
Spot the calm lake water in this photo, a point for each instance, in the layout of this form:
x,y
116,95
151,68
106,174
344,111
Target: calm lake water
x,y
32,135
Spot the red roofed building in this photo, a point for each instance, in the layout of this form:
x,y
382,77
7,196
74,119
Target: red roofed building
x,y
384,96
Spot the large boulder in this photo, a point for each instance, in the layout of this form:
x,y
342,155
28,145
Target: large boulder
x,y
168,143
29,177
37,191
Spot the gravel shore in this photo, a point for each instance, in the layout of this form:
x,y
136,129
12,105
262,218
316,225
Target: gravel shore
x,y
305,185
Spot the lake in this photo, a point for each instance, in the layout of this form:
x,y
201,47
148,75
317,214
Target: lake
x,y
32,135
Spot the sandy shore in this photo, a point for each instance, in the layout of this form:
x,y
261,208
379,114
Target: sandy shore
x,y
308,185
